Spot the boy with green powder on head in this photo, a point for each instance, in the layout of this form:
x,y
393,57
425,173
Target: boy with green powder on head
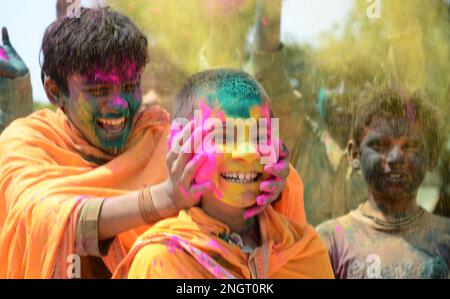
x,y
216,239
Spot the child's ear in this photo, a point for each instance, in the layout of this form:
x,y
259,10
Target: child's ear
x,y
353,154
53,92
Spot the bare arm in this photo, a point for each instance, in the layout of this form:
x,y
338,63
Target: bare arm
x,y
121,213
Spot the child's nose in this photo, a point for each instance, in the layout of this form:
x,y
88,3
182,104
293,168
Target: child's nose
x,y
117,103
395,156
245,151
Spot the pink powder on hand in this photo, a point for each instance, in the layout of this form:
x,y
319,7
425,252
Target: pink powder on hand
x,y
206,171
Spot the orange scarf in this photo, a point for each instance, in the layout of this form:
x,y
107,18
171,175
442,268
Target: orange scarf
x,y
189,247
45,178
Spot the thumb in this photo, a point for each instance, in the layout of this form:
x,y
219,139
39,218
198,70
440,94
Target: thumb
x,y
253,211
198,190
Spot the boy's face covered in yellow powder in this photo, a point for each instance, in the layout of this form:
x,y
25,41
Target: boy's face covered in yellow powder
x,y
234,163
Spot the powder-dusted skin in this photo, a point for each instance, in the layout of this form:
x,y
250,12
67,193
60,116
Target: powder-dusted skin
x,y
113,95
360,248
242,157
230,97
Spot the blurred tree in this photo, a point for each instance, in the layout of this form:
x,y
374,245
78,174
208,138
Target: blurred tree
x,y
301,65
409,44
356,54
178,31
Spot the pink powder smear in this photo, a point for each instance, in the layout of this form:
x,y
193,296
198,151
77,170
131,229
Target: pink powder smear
x,y
3,55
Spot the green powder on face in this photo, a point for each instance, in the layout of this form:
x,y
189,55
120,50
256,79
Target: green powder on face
x,y
235,93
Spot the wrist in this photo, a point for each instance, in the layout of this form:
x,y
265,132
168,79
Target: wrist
x,y
163,199
147,208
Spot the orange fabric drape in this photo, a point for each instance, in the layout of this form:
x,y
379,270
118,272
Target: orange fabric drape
x,y
291,203
189,247
45,178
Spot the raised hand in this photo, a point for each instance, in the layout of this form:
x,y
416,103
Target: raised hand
x,y
274,185
183,164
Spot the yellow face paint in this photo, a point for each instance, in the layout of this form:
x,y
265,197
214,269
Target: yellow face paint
x,y
235,166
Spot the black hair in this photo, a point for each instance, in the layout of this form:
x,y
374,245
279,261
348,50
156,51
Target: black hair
x,y
98,38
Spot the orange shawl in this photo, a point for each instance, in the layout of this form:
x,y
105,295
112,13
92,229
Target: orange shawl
x,y
45,178
189,247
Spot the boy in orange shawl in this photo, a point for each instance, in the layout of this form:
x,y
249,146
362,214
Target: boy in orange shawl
x,y
69,180
215,240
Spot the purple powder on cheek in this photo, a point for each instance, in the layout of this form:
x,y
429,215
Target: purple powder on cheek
x,y
119,102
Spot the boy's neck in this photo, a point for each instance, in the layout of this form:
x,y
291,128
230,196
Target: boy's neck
x,y
231,217
392,210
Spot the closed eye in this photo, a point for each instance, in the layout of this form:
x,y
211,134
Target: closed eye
x,y
99,91
378,145
412,146
130,87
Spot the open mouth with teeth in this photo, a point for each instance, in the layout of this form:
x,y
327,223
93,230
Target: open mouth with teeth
x,y
112,125
396,177
393,175
241,177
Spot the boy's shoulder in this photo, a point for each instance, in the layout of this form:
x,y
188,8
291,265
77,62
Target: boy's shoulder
x,y
334,225
437,223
